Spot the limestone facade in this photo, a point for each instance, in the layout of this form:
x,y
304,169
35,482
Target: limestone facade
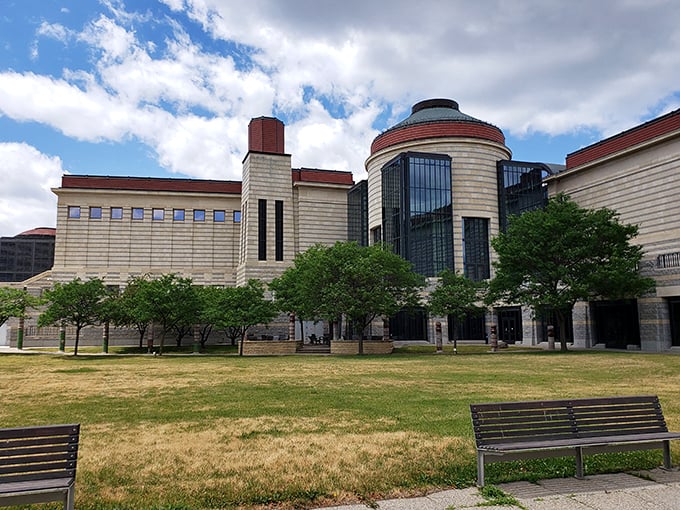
x,y
637,174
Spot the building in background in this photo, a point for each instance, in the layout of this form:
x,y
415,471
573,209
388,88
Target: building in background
x,y
27,254
440,185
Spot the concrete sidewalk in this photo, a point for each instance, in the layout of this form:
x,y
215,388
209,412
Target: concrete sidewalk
x,y
650,490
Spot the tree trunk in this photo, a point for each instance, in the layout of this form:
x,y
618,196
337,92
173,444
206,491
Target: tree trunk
x,y
562,324
75,350
243,339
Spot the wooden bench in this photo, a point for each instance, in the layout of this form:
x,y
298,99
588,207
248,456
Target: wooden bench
x,y
38,465
506,431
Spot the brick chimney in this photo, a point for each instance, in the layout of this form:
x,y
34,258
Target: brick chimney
x,y
265,134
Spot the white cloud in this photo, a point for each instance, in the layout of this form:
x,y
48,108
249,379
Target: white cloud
x,y
332,68
26,201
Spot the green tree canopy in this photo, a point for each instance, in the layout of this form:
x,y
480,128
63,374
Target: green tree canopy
x,y
169,301
129,308
458,296
564,253
15,303
236,309
79,303
361,283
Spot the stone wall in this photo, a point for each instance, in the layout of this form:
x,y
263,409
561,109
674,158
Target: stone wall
x,y
352,347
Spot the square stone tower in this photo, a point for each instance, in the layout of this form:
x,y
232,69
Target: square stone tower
x,y
266,246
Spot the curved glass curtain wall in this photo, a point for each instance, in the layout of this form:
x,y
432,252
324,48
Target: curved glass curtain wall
x,y
417,210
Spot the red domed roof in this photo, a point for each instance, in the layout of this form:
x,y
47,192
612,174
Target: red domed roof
x,y
437,118
40,231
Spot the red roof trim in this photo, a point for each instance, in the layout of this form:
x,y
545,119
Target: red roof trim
x,y
625,140
150,184
322,176
457,129
40,231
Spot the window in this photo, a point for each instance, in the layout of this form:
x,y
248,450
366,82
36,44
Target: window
x,y
199,215
520,189
218,216
357,213
476,248
137,213
116,213
95,213
261,229
178,214
376,234
417,210
237,216
158,214
278,230
73,211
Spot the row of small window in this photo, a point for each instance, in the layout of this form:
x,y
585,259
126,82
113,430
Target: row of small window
x,y
137,213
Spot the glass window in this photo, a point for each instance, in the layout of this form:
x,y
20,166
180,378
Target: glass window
x,y
96,213
218,216
178,214
137,213
237,216
199,214
116,213
520,189
73,211
158,214
278,230
476,248
417,210
261,229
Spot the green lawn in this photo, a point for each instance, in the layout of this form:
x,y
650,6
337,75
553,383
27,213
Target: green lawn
x,y
199,432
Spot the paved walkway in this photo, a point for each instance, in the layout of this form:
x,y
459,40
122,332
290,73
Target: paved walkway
x,y
651,490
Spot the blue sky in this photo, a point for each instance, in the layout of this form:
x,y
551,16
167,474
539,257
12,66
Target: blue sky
x,y
167,87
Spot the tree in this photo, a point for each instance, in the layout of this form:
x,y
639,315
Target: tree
x,y
14,303
298,290
77,302
458,296
240,308
129,309
361,283
168,301
556,256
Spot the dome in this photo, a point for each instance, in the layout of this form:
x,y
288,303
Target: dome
x,y
436,118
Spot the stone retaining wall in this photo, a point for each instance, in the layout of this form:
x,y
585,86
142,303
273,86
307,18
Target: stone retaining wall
x,y
352,347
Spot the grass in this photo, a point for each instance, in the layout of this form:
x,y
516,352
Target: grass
x,y
203,432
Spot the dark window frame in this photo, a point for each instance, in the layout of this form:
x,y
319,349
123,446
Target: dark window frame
x,y
95,212
261,229
278,230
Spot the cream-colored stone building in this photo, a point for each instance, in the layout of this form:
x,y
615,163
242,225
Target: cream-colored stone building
x,y
214,232
637,174
440,185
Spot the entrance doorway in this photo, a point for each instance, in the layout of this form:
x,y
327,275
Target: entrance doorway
x,y
510,324
409,325
674,313
616,323
472,328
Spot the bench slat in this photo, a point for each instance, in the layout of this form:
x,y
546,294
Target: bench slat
x,y
34,450
40,431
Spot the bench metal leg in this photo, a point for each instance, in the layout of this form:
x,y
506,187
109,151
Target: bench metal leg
x,y
667,463
480,469
70,501
579,462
